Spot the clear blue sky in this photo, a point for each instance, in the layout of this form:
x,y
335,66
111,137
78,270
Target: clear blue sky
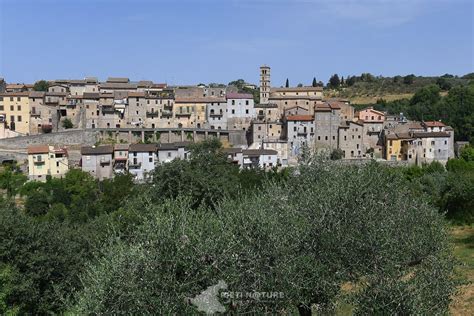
x,y
192,41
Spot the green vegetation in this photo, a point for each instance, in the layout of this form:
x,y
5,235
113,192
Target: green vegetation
x,y
456,109
367,238
67,123
41,85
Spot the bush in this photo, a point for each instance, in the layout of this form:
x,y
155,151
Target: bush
x,y
67,123
328,227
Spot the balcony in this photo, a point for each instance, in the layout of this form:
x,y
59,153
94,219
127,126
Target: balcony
x,y
167,113
38,160
134,165
104,161
183,114
108,109
215,114
152,114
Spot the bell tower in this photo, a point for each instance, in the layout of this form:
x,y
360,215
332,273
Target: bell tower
x,y
264,84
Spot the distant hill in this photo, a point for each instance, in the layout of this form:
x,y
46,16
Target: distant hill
x,y
367,89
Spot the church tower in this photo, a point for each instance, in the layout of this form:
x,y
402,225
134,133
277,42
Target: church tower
x,y
264,84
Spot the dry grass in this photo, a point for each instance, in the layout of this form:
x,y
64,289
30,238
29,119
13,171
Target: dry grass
x,y
463,238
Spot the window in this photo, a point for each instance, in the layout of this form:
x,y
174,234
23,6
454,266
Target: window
x,y
18,99
19,118
1,108
11,99
12,108
246,102
233,102
326,138
247,111
233,111
150,159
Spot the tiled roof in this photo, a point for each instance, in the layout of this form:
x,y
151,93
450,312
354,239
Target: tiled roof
x,y
15,94
297,89
430,134
118,79
434,124
121,147
233,95
38,149
143,147
36,94
99,150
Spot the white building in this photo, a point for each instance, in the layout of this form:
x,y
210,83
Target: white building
x,y
300,133
169,152
141,160
240,111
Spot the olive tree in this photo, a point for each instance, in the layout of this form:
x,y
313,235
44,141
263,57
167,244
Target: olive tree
x,y
331,234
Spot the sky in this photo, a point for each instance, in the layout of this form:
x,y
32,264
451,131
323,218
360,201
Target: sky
x,y
194,41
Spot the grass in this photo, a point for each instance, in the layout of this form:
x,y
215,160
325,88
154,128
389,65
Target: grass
x,y
463,240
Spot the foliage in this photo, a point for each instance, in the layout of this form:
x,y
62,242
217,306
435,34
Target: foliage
x,y
40,261
287,83
41,85
329,226
334,82
409,79
67,123
337,154
11,180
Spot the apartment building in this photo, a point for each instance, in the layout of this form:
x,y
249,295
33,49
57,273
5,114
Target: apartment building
x,y
15,111
120,158
142,159
97,160
327,121
169,152
240,111
217,113
45,160
351,135
300,132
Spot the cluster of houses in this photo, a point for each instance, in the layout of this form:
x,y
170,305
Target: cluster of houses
x,y
285,121
105,161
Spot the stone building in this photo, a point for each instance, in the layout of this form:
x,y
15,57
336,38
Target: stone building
x,y
350,141
327,119
300,131
98,161
240,111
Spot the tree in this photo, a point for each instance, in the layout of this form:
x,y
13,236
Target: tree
x,y
337,154
409,79
342,80
67,123
299,85
351,80
334,81
11,180
41,85
443,83
287,84
329,227
315,83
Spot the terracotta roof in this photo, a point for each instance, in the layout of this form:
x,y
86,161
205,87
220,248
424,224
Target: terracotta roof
x,y
297,89
347,124
434,124
99,150
121,147
15,86
142,147
200,100
299,118
36,94
325,107
117,85
372,110
232,95
430,134
136,94
38,149
15,94
91,95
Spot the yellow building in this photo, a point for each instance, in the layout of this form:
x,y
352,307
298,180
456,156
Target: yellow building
x,y
15,111
396,146
45,160
190,112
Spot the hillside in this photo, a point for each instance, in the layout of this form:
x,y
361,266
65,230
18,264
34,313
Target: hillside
x,y
367,89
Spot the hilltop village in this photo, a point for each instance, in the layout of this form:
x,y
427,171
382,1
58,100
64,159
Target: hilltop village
x,y
276,127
